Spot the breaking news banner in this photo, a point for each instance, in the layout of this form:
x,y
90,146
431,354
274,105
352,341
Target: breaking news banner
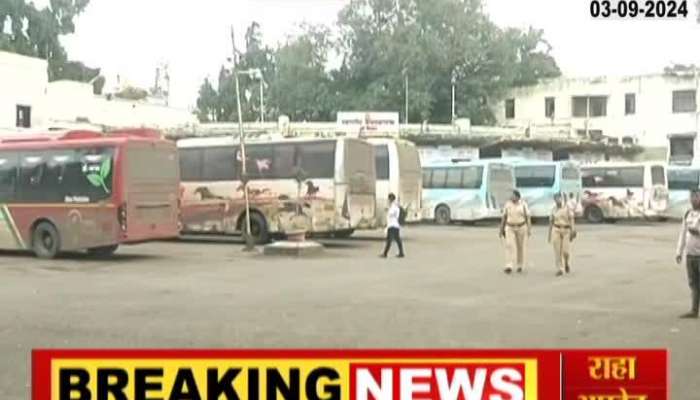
x,y
350,374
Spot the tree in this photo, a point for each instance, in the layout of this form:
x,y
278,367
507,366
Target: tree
x,y
35,33
208,103
301,88
434,44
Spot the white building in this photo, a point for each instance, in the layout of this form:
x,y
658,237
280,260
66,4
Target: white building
x,y
637,109
23,83
28,102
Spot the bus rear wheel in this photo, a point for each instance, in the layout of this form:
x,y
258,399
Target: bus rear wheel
x,y
103,251
593,215
46,241
258,228
442,215
343,234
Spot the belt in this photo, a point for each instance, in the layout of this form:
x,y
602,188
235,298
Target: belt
x,y
517,225
562,226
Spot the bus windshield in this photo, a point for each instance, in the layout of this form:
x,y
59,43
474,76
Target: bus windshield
x,y
535,176
683,179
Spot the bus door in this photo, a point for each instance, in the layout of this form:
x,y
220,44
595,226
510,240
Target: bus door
x,y
499,186
360,200
656,194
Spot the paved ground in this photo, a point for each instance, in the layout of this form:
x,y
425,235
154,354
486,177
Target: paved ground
x,y
450,292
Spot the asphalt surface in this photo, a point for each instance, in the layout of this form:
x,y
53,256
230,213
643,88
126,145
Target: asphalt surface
x,y
450,292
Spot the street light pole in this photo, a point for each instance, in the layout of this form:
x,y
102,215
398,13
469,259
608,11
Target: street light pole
x,y
249,243
405,117
262,101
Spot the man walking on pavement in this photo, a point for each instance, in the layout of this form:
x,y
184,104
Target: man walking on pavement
x,y
561,232
393,225
515,229
689,246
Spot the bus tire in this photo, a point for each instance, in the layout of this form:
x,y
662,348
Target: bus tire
x,y
103,251
46,241
343,234
593,214
442,215
258,228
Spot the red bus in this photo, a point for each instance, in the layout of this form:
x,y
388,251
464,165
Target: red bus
x,y
83,190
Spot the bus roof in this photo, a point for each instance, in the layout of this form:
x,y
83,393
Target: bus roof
x,y
526,161
624,164
472,163
77,137
230,141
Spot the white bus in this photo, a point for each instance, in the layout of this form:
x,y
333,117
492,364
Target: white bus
x,y
468,191
327,184
681,180
538,182
614,191
397,163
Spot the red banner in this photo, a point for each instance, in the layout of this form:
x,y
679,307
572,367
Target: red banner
x,y
350,374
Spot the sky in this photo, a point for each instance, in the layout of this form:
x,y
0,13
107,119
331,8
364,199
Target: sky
x,y
131,37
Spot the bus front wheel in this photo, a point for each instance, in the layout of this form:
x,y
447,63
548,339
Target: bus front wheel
x,y
46,241
593,215
103,251
442,215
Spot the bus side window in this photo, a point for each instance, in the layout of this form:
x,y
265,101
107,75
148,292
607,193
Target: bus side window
x,y
318,159
32,178
8,176
427,178
191,164
216,164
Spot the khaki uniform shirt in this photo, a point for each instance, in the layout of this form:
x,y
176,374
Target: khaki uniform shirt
x,y
516,213
562,216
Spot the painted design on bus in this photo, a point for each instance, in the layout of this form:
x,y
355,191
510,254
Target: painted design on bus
x,y
321,186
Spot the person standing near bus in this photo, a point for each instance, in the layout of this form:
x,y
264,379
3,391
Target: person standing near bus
x,y
561,232
689,246
393,227
516,227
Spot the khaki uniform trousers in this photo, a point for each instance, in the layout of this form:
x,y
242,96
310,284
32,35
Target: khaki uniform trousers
x,y
516,243
561,243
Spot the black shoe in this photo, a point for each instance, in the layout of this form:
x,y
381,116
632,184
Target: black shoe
x,y
567,269
382,255
559,273
520,270
401,256
508,271
689,315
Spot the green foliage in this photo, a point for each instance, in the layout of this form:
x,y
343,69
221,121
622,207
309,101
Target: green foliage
x,y
35,33
383,44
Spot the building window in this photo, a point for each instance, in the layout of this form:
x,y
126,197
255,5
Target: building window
x,y
24,117
598,106
630,104
684,101
549,107
510,108
589,106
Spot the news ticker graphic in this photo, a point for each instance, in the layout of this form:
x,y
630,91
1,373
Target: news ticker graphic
x,y
350,374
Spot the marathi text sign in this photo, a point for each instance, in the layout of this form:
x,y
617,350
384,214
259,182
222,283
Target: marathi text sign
x,y
369,123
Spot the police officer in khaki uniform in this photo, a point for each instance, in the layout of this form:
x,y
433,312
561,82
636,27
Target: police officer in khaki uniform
x,y
515,228
562,231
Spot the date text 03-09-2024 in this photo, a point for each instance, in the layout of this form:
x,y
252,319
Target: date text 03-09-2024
x,y
639,9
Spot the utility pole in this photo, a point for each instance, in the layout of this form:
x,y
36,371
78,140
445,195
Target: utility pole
x,y
405,75
453,97
249,243
262,100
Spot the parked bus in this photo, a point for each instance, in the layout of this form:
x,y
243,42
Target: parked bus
x,y
82,190
398,171
326,185
538,182
681,180
613,191
468,191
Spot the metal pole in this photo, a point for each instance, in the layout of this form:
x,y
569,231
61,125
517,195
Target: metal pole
x,y
249,243
405,118
453,102
262,101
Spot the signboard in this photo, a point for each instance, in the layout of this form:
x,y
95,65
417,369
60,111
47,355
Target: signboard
x,y
369,124
351,374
